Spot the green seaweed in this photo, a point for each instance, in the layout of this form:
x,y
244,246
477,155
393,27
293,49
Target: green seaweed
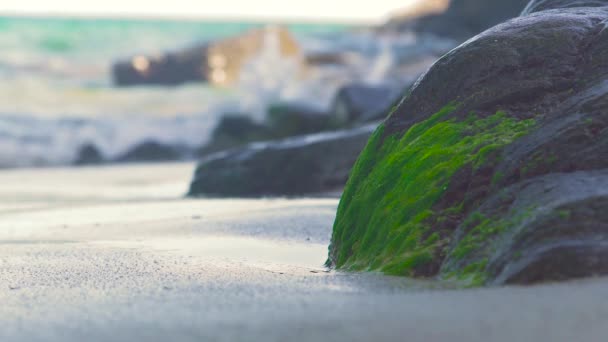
x,y
473,250
484,228
382,218
564,214
473,275
540,160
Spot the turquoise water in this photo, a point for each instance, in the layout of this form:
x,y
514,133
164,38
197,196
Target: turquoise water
x,y
57,95
56,91
100,39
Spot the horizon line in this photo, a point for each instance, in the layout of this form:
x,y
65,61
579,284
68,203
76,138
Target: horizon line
x,y
193,17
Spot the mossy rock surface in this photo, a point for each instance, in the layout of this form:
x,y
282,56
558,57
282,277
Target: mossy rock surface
x,y
397,181
494,166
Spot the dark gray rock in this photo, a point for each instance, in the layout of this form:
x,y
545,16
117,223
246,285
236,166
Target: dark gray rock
x,y
558,229
151,151
291,119
89,154
563,238
528,65
235,130
535,210
283,120
297,166
172,68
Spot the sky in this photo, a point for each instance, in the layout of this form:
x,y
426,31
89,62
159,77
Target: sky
x,y
324,10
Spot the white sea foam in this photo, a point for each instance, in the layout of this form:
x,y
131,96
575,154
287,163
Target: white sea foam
x,y
34,141
50,106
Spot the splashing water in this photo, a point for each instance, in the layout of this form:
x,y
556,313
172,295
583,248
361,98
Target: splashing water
x,y
383,64
267,76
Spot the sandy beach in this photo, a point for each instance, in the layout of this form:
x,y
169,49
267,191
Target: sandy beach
x,y
117,254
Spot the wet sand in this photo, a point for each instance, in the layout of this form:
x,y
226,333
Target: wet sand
x,y
116,254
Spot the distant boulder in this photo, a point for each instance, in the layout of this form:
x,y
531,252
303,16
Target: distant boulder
x,y
235,130
168,69
283,120
151,151
298,166
217,62
88,154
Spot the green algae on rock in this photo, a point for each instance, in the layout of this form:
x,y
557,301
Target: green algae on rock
x,y
381,222
473,251
479,201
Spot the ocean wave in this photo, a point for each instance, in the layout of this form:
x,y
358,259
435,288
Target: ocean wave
x,y
56,94
34,141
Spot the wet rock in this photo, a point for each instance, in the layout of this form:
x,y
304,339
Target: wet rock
x,y
297,166
89,154
493,169
563,233
151,151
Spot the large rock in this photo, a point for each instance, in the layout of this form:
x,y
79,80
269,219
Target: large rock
x,y
172,68
88,154
494,169
463,18
297,166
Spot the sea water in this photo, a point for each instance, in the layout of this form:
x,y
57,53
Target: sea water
x,y
56,91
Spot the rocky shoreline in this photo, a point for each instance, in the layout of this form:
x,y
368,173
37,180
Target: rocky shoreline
x,y
416,192
490,169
